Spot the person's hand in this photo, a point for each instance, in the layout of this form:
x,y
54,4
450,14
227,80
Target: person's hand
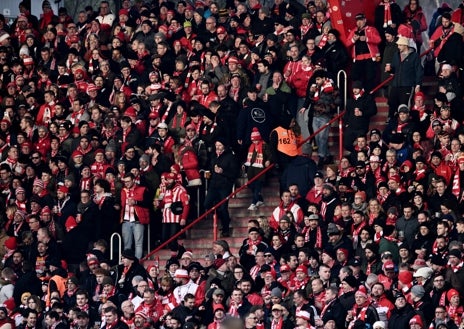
x,y
214,61
362,38
357,112
302,110
182,222
355,37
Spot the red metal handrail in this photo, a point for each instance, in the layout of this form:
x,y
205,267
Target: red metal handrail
x,y
214,208
209,211
335,118
383,83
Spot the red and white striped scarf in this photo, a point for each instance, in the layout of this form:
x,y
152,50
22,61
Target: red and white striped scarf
x,y
456,189
387,19
258,161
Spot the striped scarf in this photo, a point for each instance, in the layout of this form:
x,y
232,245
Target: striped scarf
x,y
258,159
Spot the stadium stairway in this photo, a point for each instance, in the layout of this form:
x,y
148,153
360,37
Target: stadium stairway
x,y
199,239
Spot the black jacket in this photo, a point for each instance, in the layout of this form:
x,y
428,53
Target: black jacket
x,y
368,108
335,312
400,317
230,167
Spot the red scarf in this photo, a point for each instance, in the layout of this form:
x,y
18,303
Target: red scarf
x,y
400,127
359,313
455,312
387,19
182,121
233,309
211,130
277,324
252,244
323,40
383,198
457,267
258,161
356,230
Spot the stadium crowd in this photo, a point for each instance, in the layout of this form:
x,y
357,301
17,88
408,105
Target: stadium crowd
x,y
119,119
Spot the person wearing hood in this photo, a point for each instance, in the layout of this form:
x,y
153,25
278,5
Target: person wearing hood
x,y
408,72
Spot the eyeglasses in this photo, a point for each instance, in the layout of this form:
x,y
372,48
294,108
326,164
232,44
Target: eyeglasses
x,y
268,255
35,158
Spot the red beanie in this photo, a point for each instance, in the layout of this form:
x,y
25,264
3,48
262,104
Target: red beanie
x,y
11,243
405,277
255,135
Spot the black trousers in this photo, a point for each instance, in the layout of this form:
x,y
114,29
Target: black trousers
x,y
366,72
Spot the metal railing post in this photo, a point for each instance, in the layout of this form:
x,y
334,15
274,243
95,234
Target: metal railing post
x,y
118,236
340,74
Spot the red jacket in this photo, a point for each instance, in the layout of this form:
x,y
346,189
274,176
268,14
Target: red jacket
x,y
46,113
372,38
189,162
43,145
138,195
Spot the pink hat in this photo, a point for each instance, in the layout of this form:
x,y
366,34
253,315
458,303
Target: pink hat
x,y
38,182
